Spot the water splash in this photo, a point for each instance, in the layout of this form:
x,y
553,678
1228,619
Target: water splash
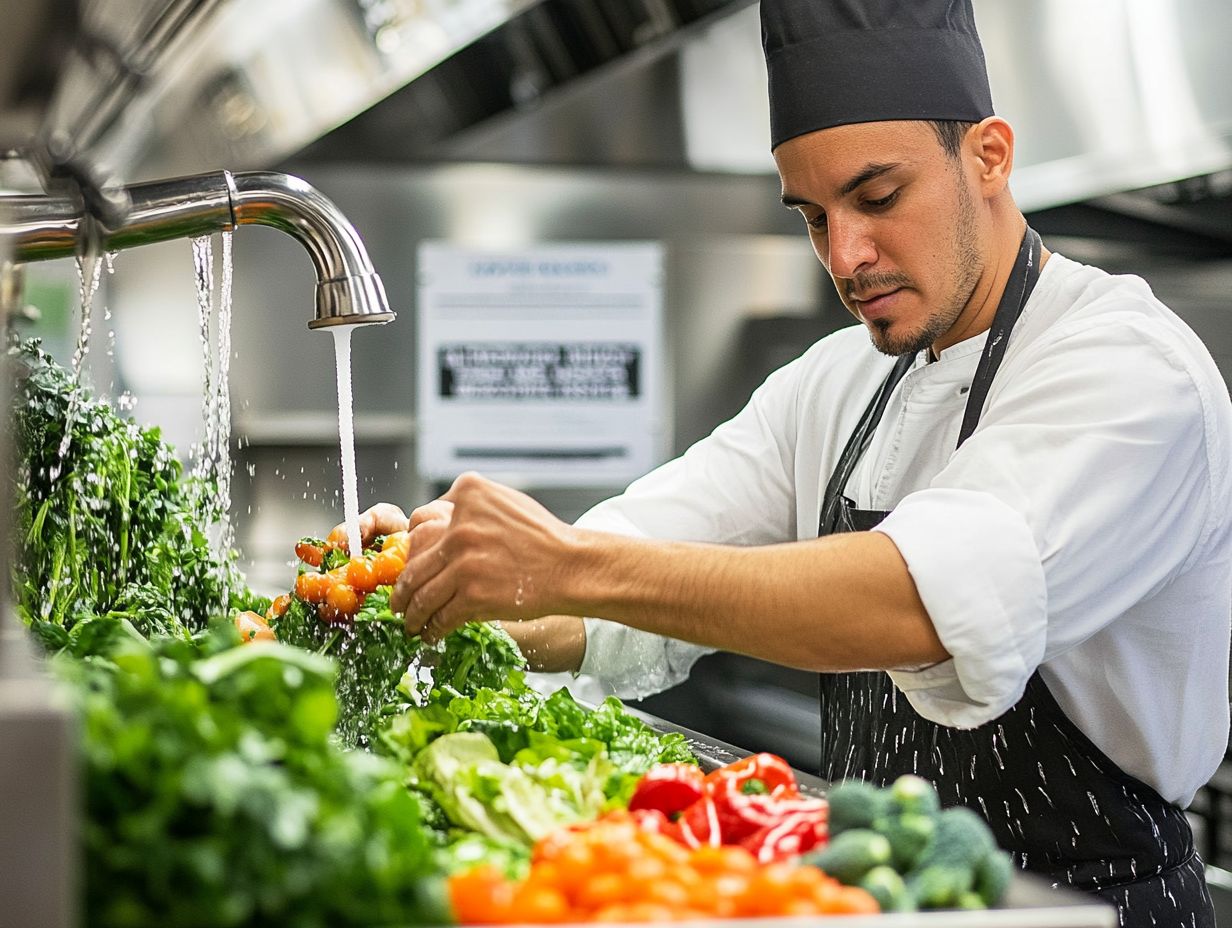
x,y
346,437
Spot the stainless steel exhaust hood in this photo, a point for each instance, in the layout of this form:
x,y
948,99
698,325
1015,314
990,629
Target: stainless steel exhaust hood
x,y
1106,95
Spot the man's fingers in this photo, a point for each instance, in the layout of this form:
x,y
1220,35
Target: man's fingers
x,y
381,519
438,510
445,620
419,570
422,602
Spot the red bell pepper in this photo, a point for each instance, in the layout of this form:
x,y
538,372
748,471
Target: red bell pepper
x,y
797,833
754,802
741,815
698,825
756,774
653,821
668,788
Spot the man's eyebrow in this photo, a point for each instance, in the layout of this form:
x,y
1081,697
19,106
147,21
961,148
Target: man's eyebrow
x,y
870,171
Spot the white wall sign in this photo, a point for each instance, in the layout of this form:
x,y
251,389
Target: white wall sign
x,y
540,366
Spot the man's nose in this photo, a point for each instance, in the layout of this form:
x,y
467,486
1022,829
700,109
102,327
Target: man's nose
x,y
849,247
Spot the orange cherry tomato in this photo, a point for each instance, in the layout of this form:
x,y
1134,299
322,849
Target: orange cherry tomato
x,y
398,542
338,539
278,607
386,567
481,897
340,602
536,905
312,587
361,575
309,553
252,627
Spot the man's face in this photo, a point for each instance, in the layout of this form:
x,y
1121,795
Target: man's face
x,y
895,222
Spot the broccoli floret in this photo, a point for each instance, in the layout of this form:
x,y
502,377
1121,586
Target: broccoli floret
x,y
912,794
992,877
961,839
855,804
852,854
939,887
908,835
886,886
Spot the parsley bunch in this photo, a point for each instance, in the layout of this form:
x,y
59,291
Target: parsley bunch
x,y
106,522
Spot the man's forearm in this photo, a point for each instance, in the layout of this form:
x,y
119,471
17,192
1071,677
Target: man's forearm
x,y
845,602
552,644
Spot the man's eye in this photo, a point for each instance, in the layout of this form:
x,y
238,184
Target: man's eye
x,y
816,222
883,202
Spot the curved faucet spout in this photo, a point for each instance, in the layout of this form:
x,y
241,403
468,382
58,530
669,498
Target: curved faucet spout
x,y
349,291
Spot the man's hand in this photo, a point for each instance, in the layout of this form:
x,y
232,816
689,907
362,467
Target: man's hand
x,y
486,552
381,519
483,551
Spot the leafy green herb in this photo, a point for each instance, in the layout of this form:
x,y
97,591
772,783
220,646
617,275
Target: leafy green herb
x,y
215,795
373,652
107,522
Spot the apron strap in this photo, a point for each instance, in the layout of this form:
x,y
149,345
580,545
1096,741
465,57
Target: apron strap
x,y
1018,290
856,445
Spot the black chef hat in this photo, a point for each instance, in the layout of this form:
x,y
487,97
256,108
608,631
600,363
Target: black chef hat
x,y
834,62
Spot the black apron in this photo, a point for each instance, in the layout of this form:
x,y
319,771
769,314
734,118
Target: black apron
x,y
1051,796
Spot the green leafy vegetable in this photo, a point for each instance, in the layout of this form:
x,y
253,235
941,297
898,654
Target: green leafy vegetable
x,y
107,522
215,796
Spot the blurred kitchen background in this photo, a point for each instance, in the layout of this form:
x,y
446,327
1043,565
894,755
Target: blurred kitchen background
x,y
514,123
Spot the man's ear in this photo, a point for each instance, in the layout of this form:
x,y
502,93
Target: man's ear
x,y
990,146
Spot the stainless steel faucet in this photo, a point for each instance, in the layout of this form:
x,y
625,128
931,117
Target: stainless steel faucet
x,y
349,291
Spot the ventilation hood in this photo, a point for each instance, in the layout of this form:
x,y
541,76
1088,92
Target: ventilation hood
x,y
1106,96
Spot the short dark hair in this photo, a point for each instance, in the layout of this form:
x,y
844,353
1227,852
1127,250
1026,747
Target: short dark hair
x,y
950,133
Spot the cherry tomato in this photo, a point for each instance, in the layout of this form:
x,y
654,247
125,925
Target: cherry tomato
x,y
278,607
399,543
361,575
340,603
386,566
312,587
309,553
252,627
338,539
481,897
537,905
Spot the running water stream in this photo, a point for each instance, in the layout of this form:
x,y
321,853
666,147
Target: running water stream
x,y
346,438
89,274
213,456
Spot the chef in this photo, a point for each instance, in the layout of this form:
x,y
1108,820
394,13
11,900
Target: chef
x,y
994,515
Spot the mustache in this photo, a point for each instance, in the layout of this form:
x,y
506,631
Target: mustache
x,y
865,283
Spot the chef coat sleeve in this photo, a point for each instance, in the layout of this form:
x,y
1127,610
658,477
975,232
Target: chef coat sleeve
x,y
733,487
1085,489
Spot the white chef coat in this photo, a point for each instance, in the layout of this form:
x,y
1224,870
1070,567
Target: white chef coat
x,y
1083,529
